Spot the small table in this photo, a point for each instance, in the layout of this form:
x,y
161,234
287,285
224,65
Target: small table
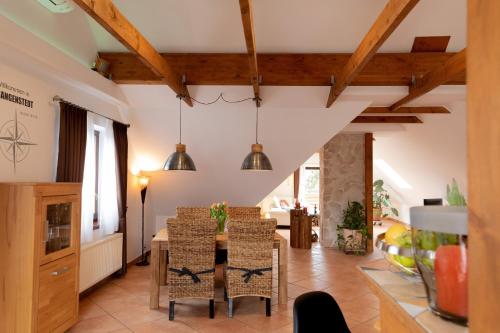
x,y
403,302
159,248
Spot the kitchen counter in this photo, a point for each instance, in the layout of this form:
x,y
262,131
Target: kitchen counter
x,y
403,303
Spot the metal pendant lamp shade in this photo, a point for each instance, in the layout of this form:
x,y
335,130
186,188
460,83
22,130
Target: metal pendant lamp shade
x,y
256,160
179,160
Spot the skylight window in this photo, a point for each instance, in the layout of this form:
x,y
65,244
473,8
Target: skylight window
x,y
392,174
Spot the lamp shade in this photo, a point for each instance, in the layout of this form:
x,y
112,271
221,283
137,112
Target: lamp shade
x,y
256,160
143,181
179,160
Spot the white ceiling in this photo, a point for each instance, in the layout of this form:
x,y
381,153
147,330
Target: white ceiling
x,y
215,25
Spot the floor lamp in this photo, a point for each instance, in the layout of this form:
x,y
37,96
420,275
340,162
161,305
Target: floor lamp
x,y
143,183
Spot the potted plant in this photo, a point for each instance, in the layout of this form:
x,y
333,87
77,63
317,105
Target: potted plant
x,y
381,201
352,232
219,212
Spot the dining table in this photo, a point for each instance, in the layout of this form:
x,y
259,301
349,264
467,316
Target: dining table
x,y
159,263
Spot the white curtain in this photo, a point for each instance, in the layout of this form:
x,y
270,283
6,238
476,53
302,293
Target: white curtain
x,y
107,199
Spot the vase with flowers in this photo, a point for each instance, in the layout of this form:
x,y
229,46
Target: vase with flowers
x,y
219,211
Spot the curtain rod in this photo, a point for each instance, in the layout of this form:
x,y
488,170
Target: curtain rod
x,y
60,99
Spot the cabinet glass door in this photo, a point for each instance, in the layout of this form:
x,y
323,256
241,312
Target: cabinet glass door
x,y
58,227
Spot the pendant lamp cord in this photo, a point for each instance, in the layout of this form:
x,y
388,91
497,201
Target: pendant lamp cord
x,y
257,124
180,119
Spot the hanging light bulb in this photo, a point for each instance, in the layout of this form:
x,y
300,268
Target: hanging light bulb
x,y
256,159
179,160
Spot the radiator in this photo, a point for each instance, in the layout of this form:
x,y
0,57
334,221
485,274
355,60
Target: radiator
x,y
100,259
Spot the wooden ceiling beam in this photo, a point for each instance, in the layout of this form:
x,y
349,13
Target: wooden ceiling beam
x,y
386,120
384,69
430,44
406,109
389,19
111,19
247,20
451,68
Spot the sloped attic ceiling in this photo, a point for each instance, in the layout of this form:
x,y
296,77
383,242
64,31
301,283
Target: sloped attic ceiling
x,y
215,25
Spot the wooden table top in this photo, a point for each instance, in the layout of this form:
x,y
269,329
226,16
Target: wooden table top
x,y
220,239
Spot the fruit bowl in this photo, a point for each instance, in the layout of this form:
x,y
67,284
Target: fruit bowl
x,y
400,257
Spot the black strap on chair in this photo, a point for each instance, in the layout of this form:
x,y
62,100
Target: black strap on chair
x,y
194,276
249,272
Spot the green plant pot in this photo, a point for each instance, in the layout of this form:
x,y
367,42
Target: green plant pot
x,y
353,241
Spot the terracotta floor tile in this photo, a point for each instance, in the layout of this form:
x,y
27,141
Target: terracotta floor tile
x,y
120,303
163,325
262,323
284,329
123,304
295,291
228,326
139,314
88,309
313,284
100,324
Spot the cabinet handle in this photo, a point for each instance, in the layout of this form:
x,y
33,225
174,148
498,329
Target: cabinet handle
x,y
60,271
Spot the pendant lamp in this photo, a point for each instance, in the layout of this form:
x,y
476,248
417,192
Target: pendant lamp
x,y
179,160
256,159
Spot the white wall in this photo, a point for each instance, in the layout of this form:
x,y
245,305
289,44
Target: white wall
x,y
293,125
427,156
40,122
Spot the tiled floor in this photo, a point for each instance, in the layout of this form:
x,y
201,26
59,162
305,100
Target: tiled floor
x,y
123,304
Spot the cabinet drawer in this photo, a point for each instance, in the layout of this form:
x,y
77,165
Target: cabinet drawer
x,y
58,295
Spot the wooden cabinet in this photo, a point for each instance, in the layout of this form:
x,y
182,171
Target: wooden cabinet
x,y
39,256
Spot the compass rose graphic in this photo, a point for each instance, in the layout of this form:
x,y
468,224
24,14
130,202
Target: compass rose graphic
x,y
15,141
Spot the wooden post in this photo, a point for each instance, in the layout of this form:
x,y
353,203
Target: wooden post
x,y
483,130
305,232
295,226
369,189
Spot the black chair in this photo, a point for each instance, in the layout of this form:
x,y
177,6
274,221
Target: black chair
x,y
318,312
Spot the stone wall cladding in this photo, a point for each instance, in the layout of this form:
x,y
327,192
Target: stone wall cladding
x,y
342,179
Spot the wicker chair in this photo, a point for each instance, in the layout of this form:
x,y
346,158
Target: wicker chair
x,y
243,213
193,212
250,260
191,254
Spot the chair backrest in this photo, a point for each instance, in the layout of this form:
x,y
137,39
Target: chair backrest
x,y
313,311
250,248
193,212
191,245
242,213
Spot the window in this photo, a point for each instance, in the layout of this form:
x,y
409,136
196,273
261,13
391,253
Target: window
x,y
97,140
310,187
99,193
309,183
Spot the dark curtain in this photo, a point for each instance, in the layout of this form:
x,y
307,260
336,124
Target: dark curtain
x,y
72,143
121,145
296,183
